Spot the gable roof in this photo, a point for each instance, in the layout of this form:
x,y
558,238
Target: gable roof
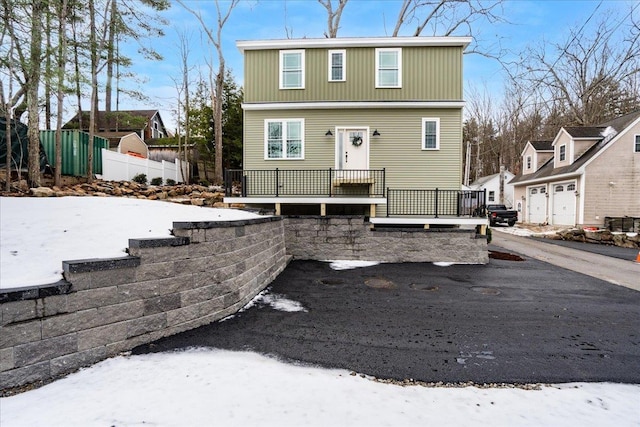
x,y
542,145
483,180
607,133
585,132
122,120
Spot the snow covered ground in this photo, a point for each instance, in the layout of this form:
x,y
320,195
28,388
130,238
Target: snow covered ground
x,y
202,387
39,233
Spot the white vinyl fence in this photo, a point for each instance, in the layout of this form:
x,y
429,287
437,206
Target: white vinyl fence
x,y
123,167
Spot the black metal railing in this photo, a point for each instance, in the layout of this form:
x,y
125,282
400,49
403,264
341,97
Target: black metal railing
x,y
436,202
305,182
622,223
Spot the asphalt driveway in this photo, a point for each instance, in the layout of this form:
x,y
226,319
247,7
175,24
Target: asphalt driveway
x,y
508,321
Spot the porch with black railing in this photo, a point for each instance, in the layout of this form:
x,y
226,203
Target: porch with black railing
x,y
436,203
305,182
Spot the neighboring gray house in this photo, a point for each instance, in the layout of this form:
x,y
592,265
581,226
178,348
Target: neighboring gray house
x,y
584,175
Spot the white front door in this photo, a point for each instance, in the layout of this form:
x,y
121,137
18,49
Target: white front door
x,y
352,149
564,204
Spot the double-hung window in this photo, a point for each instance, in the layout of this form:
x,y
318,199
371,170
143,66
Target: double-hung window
x,y
337,66
284,139
528,162
292,69
430,134
563,153
388,67
636,148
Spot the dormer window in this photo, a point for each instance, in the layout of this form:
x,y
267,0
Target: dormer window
x,y
292,69
637,146
563,153
529,161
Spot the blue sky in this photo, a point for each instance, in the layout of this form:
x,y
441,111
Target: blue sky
x,y
529,22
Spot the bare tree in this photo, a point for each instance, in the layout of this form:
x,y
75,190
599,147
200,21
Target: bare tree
x,y
592,77
218,93
452,17
62,10
333,17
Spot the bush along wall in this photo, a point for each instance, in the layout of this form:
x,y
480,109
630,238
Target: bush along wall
x,y
206,272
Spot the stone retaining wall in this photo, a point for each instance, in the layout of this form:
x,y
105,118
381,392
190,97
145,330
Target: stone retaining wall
x,y
340,237
206,272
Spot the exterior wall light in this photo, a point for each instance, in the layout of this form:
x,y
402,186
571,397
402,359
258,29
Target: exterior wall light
x,y
329,133
376,133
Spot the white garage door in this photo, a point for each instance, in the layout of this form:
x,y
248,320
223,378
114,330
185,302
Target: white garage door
x,y
537,205
564,204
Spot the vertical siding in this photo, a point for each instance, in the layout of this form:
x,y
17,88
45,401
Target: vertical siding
x,y
398,149
618,165
429,73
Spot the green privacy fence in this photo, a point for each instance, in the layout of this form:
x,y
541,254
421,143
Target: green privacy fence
x,y
75,151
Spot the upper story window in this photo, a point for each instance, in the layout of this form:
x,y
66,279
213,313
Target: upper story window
x,y
389,67
529,162
431,134
563,153
292,69
637,146
284,139
337,65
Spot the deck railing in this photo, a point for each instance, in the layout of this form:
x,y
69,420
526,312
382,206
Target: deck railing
x,y
308,182
436,202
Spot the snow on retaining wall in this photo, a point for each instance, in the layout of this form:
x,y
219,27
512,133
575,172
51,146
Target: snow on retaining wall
x,y
208,271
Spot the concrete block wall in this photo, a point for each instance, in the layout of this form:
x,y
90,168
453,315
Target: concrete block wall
x,y
207,271
351,237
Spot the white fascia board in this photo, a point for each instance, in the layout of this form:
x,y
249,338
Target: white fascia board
x,y
552,178
426,220
528,144
337,105
613,141
308,200
345,42
562,130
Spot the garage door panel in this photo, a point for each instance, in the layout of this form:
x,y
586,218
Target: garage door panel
x,y
537,205
564,204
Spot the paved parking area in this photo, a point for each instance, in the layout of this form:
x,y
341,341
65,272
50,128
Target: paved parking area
x,y
508,321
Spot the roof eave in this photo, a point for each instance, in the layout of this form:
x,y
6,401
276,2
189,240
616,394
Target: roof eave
x,y
337,42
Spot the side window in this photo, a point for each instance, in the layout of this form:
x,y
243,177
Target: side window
x,y
430,133
637,145
292,69
337,65
389,68
563,153
492,196
284,139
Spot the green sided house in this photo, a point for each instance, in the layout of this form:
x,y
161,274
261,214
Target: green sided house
x,y
366,126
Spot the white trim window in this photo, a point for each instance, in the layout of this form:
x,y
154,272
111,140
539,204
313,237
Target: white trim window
x,y
389,67
337,65
284,139
529,162
291,69
636,147
492,196
562,153
431,133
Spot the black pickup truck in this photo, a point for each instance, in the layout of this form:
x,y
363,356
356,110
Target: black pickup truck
x,y
500,214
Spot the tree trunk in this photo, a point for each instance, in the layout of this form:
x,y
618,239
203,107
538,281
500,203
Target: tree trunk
x,y
32,93
110,56
94,87
62,48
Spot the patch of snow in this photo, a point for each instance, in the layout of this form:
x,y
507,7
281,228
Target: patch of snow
x,y
528,231
350,264
37,234
443,264
608,132
202,387
280,303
